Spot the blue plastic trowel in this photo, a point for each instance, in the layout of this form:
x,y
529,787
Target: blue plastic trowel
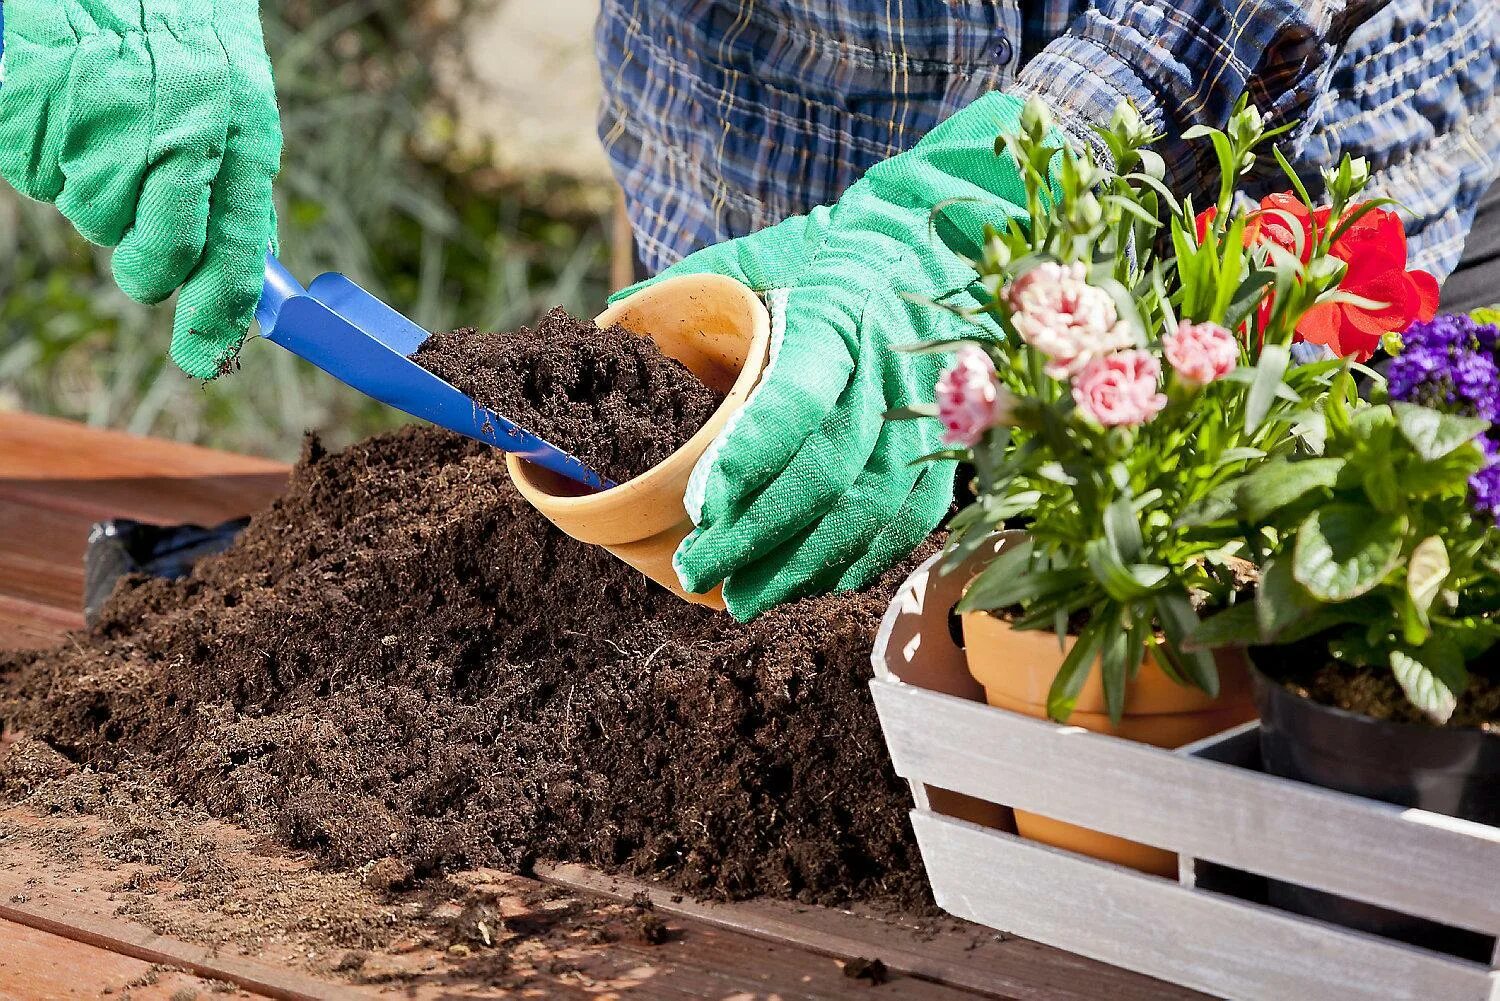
x,y
363,343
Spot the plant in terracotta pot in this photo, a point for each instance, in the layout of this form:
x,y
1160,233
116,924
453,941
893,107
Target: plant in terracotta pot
x,y
1143,360
1374,625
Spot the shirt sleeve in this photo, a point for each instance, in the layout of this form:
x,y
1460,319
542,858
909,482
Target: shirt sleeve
x,y
1186,63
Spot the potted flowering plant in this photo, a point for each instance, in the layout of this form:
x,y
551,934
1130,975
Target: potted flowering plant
x,y
1379,605
1137,357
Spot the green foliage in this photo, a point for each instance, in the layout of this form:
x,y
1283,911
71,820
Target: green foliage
x,y
1132,525
370,186
1376,546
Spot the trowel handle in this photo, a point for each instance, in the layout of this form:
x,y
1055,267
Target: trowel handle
x,y
280,286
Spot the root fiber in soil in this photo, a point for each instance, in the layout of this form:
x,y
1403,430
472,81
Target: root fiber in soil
x,y
608,397
401,659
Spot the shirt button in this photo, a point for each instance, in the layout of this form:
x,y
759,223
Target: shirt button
x,y
1003,50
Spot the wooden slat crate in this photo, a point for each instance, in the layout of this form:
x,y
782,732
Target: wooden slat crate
x,y
1205,802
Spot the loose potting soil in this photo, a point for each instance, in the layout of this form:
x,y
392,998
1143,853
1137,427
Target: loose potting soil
x,y
1376,693
400,658
608,397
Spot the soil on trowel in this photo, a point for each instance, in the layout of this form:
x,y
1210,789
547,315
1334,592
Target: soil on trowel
x,y
400,659
608,397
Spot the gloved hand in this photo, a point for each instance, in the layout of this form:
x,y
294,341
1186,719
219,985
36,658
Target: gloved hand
x,y
810,489
152,125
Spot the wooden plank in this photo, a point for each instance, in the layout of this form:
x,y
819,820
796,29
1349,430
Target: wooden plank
x,y
1414,861
25,625
551,943
139,943
963,956
41,554
100,474
36,966
43,582
39,447
1209,942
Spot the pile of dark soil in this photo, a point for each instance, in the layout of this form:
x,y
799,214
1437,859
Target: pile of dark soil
x,y
608,397
400,658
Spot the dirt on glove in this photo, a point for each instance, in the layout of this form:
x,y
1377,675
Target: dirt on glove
x,y
401,659
608,397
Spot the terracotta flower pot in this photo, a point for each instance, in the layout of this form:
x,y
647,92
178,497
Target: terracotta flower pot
x,y
1016,669
721,331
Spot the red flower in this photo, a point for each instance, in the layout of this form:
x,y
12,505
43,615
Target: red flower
x,y
1374,249
1273,225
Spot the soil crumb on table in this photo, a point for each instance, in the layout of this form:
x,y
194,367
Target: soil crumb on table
x,y
400,660
606,396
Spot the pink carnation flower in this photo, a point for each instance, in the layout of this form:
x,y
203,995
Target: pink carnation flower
x,y
1120,390
970,399
1201,352
1065,318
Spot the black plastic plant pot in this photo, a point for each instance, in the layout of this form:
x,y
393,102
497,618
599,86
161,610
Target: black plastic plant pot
x,y
1450,771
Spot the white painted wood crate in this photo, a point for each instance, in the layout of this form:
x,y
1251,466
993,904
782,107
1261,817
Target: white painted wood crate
x,y
1195,802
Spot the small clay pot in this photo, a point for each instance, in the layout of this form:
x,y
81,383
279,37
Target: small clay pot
x,y
1016,668
721,331
1453,771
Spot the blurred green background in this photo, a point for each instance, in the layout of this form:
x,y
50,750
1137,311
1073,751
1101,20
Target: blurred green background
x,y
377,182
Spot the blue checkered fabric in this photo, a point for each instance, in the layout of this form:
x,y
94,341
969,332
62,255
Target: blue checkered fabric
x,y
724,116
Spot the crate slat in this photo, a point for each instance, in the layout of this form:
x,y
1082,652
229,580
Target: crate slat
x,y
1413,861
1192,937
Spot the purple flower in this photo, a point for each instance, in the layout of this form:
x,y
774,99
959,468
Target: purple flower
x,y
1448,363
1484,491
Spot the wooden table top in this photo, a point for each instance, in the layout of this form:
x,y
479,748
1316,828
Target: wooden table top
x,y
60,935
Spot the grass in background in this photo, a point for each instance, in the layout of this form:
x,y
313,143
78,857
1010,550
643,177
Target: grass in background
x,y
370,186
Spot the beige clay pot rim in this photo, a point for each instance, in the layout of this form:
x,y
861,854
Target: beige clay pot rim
x,y
679,464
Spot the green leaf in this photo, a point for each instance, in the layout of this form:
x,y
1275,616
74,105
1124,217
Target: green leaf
x,y
959,551
1179,622
1434,434
1233,455
1448,475
910,412
1282,482
1216,505
1369,423
1122,528
1070,678
1379,482
1004,587
938,347
1003,573
1281,602
1269,369
1344,550
1297,185
1113,667
1120,581
1247,297
1426,570
1235,626
1433,677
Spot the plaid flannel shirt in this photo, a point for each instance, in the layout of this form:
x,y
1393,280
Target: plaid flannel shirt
x,y
724,116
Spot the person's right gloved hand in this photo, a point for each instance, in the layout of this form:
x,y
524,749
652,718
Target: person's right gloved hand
x,y
152,126
809,488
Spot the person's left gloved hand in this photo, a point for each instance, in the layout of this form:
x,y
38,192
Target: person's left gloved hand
x,y
152,126
810,489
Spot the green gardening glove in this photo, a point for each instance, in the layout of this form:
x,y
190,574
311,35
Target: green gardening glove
x,y
152,125
810,489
